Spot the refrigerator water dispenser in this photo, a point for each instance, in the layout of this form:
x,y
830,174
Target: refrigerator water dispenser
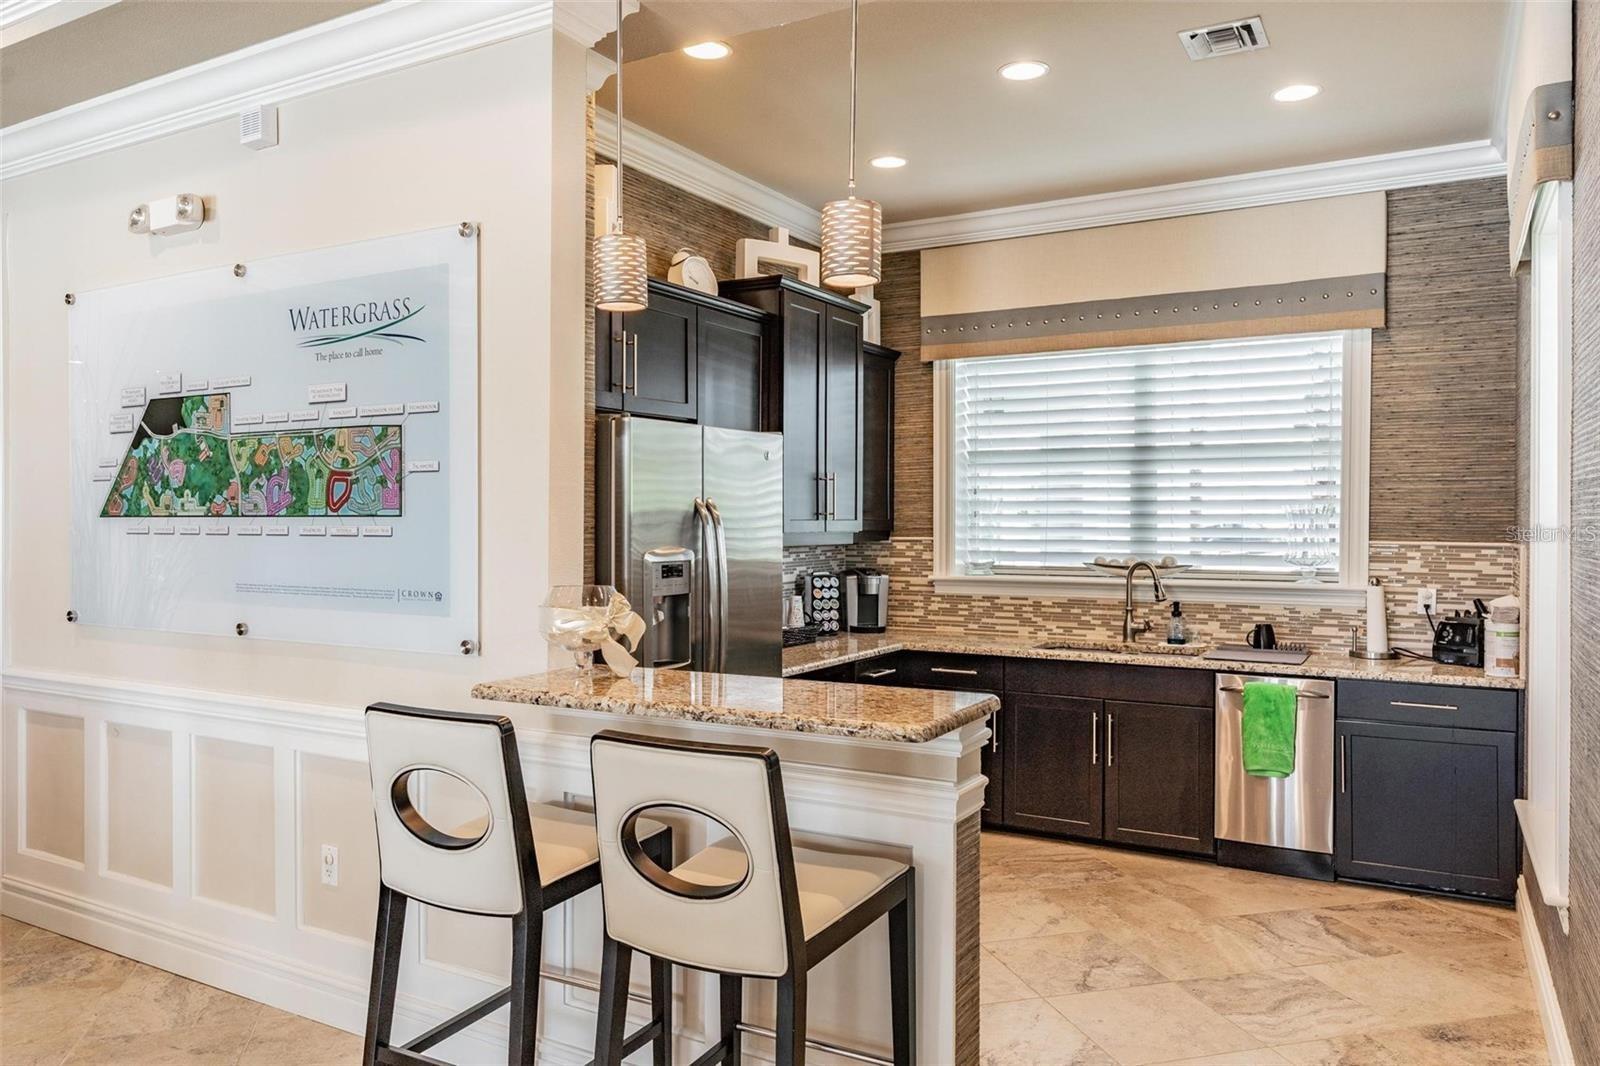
x,y
668,586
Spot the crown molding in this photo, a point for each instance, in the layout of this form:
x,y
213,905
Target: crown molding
x,y
1396,170
351,48
590,21
676,165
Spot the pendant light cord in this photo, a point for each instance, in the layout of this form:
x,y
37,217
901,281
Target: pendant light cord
x,y
855,17
619,116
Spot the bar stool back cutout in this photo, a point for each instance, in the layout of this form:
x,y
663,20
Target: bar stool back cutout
x,y
748,905
515,860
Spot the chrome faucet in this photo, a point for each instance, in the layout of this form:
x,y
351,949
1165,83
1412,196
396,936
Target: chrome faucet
x,y
1129,631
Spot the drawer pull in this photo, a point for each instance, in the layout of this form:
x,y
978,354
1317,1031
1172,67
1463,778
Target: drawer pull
x,y
1303,695
873,675
953,670
1425,706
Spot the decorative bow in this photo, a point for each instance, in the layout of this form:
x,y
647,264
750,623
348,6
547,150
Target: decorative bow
x,y
604,628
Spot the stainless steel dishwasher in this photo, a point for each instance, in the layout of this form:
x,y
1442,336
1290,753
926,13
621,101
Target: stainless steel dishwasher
x,y
1277,824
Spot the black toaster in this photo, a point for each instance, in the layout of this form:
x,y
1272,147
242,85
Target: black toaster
x,y
1458,640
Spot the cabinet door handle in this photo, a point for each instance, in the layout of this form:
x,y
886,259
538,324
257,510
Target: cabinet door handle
x,y
994,733
624,362
952,670
873,675
833,495
635,362
1344,766
1424,706
1094,739
1111,738
822,496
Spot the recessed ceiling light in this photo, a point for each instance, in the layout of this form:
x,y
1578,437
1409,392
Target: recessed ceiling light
x,y
887,162
709,50
1293,94
1024,70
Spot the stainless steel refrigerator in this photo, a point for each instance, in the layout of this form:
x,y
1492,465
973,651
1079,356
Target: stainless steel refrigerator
x,y
689,526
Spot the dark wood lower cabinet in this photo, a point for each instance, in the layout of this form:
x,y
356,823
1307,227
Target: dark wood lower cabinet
x,y
1428,806
1053,769
1160,763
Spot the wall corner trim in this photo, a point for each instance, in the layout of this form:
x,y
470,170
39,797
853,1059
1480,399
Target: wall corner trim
x,y
692,172
1466,161
364,44
1544,989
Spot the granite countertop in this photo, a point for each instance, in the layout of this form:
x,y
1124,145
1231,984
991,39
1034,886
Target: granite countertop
x,y
856,646
870,711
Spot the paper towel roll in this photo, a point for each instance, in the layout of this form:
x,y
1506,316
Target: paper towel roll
x,y
1377,620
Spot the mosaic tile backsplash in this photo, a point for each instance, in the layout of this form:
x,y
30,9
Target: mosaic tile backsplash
x,y
1458,571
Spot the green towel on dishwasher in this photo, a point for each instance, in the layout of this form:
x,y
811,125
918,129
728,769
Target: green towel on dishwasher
x,y
1266,732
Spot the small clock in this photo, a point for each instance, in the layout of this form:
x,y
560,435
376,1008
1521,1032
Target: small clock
x,y
692,271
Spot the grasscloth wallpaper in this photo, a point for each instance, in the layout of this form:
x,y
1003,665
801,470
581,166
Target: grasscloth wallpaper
x,y
1575,957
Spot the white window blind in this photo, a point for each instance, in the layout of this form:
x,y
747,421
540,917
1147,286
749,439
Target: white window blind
x,y
1224,455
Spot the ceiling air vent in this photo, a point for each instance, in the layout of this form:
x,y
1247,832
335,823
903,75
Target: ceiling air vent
x,y
1208,42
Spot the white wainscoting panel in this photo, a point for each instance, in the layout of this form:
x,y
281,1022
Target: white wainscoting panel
x,y
136,804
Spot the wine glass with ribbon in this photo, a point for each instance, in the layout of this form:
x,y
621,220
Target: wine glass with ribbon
x,y
584,619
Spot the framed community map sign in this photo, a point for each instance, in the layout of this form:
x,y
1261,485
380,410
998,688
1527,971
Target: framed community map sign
x,y
285,448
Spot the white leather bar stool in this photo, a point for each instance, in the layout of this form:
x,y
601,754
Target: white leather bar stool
x,y
516,861
749,905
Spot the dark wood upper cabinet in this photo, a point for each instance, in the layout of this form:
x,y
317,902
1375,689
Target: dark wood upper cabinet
x,y
841,397
1160,776
799,417
686,356
817,402
733,355
877,439
1051,746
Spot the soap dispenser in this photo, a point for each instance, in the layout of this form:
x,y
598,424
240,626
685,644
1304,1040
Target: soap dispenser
x,y
1177,632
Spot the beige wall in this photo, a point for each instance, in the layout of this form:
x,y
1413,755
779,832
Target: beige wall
x,y
215,808
469,137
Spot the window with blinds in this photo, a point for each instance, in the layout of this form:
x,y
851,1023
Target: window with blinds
x,y
1224,455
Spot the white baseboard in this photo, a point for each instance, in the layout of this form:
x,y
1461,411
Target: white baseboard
x,y
287,984
1544,989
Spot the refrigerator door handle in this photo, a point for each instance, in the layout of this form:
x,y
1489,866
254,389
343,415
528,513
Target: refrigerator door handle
x,y
712,629
722,584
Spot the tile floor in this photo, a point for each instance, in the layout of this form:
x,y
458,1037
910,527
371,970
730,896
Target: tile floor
x,y
62,1001
1090,955
1095,955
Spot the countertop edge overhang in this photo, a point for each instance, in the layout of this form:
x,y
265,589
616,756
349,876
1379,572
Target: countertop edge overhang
x,y
837,651
876,712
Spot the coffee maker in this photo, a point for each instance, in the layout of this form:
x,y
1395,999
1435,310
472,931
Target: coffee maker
x,y
866,600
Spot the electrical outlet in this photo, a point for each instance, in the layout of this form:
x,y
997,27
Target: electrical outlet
x,y
330,865
1427,600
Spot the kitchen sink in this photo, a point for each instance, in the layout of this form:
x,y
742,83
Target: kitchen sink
x,y
1125,647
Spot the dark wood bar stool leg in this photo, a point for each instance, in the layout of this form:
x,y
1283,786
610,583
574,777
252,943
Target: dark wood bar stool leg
x,y
385,972
661,1011
791,1039
730,1015
527,937
615,961
902,973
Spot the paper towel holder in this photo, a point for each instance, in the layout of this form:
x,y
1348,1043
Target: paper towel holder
x,y
1361,652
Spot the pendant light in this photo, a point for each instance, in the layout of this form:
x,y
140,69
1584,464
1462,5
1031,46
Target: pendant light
x,y
852,229
620,282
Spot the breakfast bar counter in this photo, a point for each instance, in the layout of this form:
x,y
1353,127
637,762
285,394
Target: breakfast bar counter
x,y
895,771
